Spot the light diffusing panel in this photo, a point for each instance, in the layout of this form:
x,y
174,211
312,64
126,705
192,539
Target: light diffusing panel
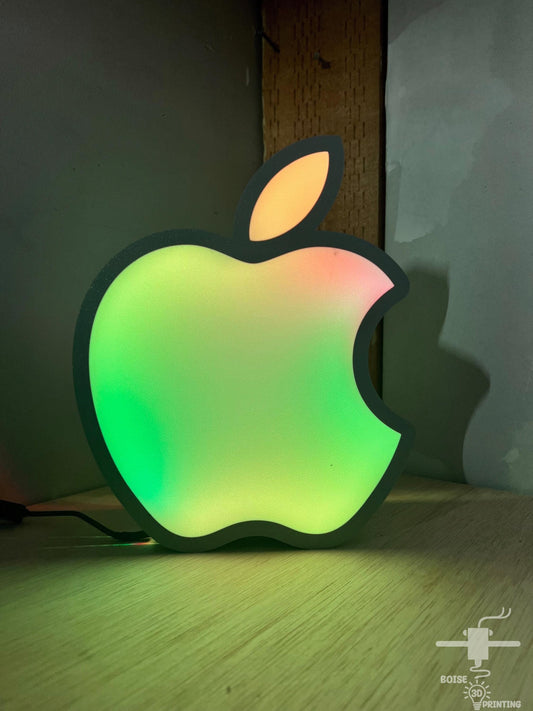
x,y
223,384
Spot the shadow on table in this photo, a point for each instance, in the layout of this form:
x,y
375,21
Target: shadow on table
x,y
456,527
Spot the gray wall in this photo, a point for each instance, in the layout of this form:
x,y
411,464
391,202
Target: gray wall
x,y
119,119
458,358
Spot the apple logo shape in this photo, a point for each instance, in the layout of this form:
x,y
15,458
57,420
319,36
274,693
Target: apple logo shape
x,y
223,384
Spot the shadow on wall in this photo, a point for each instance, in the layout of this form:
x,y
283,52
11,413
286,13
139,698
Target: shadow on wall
x,y
435,388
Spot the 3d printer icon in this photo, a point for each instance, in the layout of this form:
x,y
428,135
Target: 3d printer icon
x,y
478,643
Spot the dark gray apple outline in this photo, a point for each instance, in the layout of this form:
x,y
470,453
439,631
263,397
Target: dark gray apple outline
x,y
304,235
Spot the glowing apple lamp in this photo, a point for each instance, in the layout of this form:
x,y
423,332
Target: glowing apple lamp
x,y
223,384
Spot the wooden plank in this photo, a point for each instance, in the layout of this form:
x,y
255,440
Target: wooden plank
x,y
88,623
303,99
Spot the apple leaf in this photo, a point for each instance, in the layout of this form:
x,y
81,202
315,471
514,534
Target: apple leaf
x,y
289,196
292,192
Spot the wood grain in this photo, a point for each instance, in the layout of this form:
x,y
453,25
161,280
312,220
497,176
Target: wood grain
x,y
301,99
87,623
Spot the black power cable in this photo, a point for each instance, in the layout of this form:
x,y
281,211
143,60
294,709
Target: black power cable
x,y
14,513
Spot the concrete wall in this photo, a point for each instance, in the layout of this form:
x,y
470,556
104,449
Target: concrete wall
x,y
119,119
458,358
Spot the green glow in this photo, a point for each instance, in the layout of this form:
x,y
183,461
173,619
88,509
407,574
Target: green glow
x,y
225,390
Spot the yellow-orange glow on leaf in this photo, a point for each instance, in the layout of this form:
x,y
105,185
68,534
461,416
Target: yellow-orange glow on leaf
x,y
289,196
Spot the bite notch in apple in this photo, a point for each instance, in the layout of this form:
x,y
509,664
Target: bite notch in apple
x,y
223,384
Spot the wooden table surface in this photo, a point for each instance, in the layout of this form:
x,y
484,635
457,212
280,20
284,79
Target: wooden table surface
x,y
87,623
